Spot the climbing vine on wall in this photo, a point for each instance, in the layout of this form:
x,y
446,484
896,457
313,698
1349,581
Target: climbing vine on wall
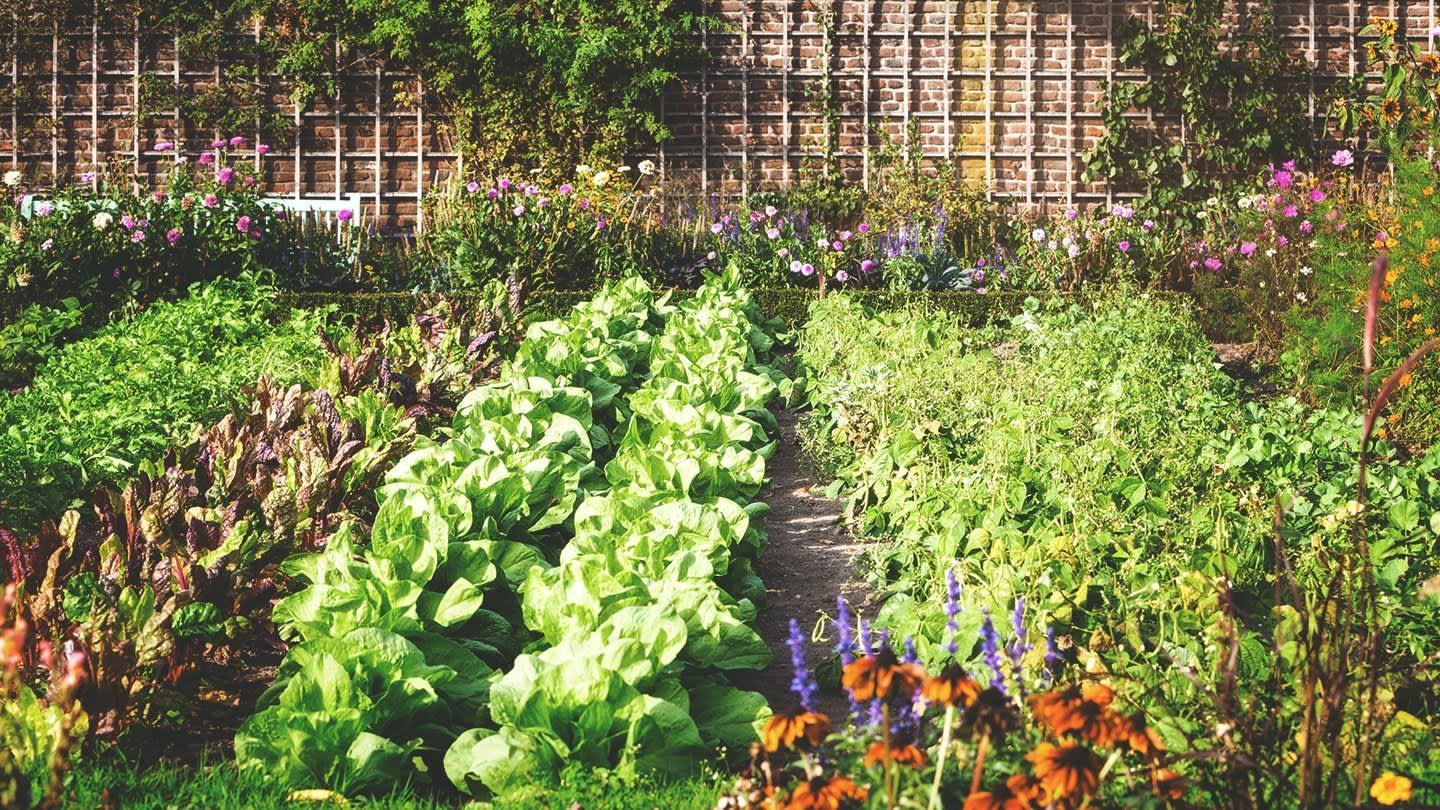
x,y
523,81
1215,72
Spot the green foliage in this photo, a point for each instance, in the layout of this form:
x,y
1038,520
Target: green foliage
x,y
141,386
1231,91
34,337
1094,461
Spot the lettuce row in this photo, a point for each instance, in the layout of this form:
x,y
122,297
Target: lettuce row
x,y
654,597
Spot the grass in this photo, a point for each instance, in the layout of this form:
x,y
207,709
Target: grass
x,y
115,782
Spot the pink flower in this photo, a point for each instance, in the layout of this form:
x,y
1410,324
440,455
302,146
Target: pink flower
x,y
1124,246
128,222
504,184
137,237
1291,211
472,186
518,210
845,236
159,197
1306,227
1342,158
863,228
493,194
344,215
842,276
1284,179
1318,195
1248,249
807,269
716,228
601,225
1212,264
45,209
771,210
172,236
238,140
206,158
225,175
1072,214
249,181
837,245
1282,240
782,252
1148,225
773,233
47,244
262,149
163,146
710,256
796,265
542,202
210,201
219,143
867,265
243,224
565,189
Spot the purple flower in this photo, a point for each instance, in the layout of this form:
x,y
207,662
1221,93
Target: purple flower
x,y
863,228
172,236
867,265
210,201
493,194
504,184
532,190
159,197
163,146
1124,246
1148,225
1212,264
1282,240
1291,211
990,649
601,225
472,186
1306,227
837,245
1122,211
1342,158
1071,214
137,237
243,224
219,143
344,215
910,656
842,276
45,209
262,149
803,684
237,141
127,222
772,233
207,158
542,202
716,227
845,236
952,610
807,270
518,210
1318,195
248,181
1283,179
87,178
1248,249
565,188
225,175
1053,658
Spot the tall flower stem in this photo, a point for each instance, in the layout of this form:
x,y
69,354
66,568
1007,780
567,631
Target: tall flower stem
x,y
980,751
944,750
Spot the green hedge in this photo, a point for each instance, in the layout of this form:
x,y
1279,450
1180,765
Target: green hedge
x,y
1217,309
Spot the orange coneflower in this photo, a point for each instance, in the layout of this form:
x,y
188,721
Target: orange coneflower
x,y
1065,770
827,793
1018,793
785,729
992,714
882,676
1084,711
1134,734
951,687
1390,109
1169,785
902,754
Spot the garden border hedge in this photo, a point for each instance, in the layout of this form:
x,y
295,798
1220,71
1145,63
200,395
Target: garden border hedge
x,y
1217,310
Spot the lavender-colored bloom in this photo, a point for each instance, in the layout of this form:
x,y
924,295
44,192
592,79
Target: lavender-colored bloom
x,y
504,184
206,158
237,141
1053,659
952,610
990,648
1018,647
803,684
262,149
865,638
911,655
225,175
845,646
173,235
472,187
1342,158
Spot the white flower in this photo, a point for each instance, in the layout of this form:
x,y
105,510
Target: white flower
x,y
1270,252
535,171
1053,244
1246,202
600,179
1038,234
646,167
13,178
584,170
102,220
1302,297
1305,271
623,169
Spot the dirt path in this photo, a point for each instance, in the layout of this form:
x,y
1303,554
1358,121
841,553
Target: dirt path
x,y
810,560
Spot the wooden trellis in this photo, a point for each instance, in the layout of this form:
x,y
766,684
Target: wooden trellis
x,y
1008,88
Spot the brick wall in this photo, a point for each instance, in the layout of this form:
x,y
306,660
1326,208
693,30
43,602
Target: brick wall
x,y
1008,87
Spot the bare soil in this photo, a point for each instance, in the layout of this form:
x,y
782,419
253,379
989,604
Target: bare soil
x,y
809,561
